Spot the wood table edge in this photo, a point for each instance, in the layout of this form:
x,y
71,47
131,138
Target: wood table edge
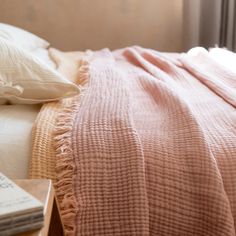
x,y
48,207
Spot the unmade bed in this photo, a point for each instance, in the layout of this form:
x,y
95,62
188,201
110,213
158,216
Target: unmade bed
x,y
147,146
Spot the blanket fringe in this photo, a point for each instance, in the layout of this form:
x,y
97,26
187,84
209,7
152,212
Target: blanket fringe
x,y
65,166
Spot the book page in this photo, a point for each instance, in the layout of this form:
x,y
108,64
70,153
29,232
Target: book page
x,y
15,200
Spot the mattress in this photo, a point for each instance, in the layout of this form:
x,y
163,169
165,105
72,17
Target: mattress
x,y
16,123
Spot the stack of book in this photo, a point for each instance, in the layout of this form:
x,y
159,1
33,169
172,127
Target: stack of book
x,y
19,211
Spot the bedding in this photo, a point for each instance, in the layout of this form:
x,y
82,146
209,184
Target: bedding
x,y
21,37
43,55
147,148
224,57
24,79
16,122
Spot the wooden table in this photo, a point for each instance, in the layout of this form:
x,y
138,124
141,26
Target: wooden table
x,y
43,190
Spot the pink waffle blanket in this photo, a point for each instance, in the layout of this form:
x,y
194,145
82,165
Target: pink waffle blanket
x,y
150,147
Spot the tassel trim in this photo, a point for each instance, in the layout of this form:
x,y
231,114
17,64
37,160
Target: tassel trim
x,y
65,163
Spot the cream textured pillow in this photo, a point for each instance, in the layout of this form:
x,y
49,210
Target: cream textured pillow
x,y
43,55
21,37
24,79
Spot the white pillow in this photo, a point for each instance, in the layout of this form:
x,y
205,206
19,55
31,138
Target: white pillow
x,y
224,57
43,55
24,79
21,37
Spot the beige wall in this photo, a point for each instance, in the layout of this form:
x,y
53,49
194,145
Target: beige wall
x,y
94,24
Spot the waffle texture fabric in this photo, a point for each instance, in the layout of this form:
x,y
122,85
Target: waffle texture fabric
x,y
149,149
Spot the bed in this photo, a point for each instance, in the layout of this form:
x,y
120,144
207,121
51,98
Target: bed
x,y
137,142
16,128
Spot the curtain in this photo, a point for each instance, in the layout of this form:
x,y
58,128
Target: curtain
x,y
228,24
209,23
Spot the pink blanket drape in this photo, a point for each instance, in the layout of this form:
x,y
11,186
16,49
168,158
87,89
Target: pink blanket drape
x,y
150,148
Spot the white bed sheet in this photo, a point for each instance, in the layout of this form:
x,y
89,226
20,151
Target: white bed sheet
x,y
16,122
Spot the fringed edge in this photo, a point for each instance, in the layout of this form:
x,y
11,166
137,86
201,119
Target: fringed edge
x,y
83,73
65,164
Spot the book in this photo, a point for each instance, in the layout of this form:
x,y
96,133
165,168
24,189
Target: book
x,y
19,210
